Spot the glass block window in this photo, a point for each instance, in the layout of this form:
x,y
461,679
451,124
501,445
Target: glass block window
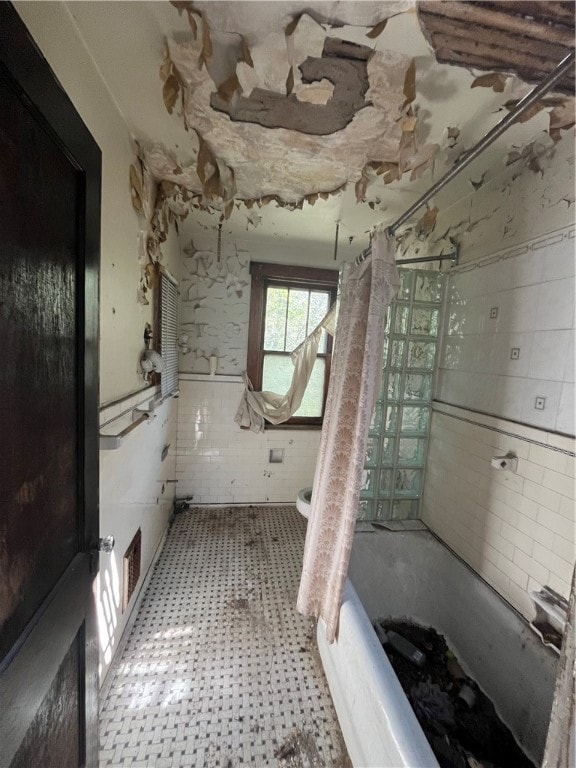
x,y
396,455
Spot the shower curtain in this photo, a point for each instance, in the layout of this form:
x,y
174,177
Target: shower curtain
x,y
256,406
560,749
366,293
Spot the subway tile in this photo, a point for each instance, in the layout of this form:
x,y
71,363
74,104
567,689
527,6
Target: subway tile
x,y
520,599
514,572
532,567
530,471
559,585
494,576
567,508
519,539
536,531
557,523
501,545
548,458
557,565
561,442
564,548
534,584
528,508
487,552
559,482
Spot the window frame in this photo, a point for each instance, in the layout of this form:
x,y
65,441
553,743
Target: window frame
x,y
266,275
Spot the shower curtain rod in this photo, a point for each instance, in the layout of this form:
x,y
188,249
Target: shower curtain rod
x,y
533,96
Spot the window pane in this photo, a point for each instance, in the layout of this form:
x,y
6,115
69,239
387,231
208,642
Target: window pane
x,y
297,319
275,323
277,377
319,306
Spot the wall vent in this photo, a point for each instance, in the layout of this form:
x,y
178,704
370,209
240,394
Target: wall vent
x,y
132,558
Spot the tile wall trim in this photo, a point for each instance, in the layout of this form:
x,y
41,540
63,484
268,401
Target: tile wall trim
x,y
541,241
520,431
118,408
219,378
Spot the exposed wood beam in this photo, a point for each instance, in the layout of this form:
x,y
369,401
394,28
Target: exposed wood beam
x,y
504,39
450,56
473,13
557,13
505,56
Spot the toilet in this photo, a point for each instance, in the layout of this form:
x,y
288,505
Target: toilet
x,y
303,502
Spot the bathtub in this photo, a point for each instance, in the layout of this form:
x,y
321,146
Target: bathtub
x,y
413,574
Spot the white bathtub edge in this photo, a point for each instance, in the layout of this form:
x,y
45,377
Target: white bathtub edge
x,y
378,725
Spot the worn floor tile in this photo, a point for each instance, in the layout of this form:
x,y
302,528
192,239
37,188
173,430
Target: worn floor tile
x,y
220,670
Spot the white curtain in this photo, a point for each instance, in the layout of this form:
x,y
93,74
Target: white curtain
x,y
354,383
560,751
255,407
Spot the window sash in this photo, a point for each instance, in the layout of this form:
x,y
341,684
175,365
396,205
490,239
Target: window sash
x,y
279,275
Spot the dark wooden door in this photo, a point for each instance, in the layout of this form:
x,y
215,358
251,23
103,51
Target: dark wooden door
x,y
49,251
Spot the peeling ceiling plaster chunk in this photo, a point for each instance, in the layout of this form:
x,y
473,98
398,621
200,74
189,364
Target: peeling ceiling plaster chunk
x,y
494,80
528,38
342,63
268,165
377,29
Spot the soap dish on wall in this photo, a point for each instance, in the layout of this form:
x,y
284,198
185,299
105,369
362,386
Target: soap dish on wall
x,y
551,615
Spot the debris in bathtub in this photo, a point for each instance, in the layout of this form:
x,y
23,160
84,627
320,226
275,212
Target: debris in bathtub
x,y
400,644
458,719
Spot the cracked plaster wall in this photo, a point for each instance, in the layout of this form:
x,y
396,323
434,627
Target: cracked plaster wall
x,y
214,310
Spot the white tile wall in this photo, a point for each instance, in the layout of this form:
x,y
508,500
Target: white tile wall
x,y
515,529
532,288
219,463
134,493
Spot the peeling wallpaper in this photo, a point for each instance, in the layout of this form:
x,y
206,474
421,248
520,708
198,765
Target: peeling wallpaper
x,y
533,195
214,310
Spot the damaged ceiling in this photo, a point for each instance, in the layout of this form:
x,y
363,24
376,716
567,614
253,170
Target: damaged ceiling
x,y
272,123
527,38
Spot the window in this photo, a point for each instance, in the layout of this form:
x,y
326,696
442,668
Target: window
x,y
165,331
286,304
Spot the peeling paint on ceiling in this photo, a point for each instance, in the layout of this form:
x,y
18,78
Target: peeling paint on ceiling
x,y
397,135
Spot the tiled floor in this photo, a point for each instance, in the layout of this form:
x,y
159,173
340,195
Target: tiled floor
x,y
220,670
